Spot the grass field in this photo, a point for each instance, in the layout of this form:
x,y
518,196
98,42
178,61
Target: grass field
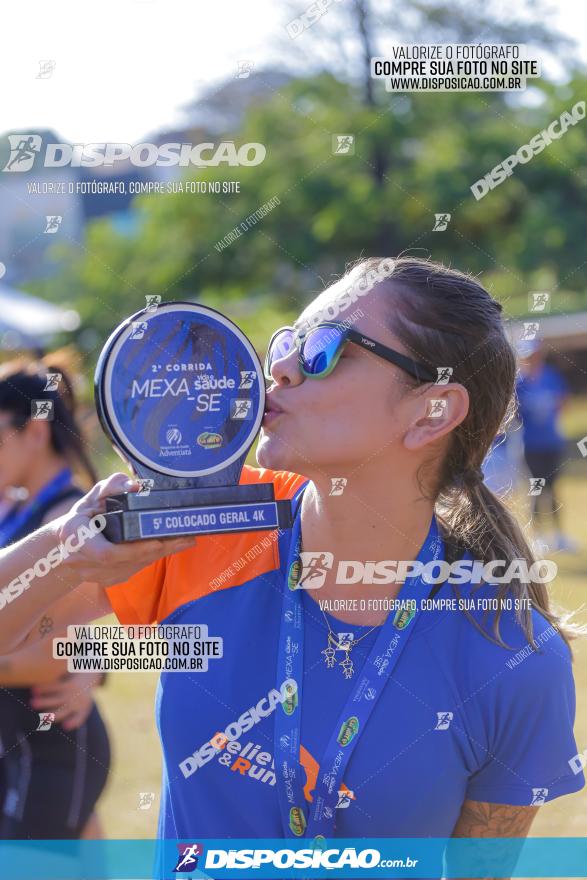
x,y
127,704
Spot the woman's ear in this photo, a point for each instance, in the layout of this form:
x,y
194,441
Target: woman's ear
x,y
441,409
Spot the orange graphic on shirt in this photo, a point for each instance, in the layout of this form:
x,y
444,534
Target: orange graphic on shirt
x,y
311,767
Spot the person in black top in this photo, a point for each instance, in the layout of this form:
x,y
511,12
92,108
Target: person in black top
x,y
51,773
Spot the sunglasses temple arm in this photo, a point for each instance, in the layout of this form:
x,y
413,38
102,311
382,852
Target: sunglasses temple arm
x,y
418,371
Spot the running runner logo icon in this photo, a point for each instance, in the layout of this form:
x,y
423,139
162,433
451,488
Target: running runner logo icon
x,y
46,719
139,328
315,565
146,799
344,799
241,408
247,379
23,151
348,731
187,860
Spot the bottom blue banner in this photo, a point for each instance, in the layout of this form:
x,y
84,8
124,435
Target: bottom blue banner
x,y
274,858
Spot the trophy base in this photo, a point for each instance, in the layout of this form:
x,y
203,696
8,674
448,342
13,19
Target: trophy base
x,y
206,511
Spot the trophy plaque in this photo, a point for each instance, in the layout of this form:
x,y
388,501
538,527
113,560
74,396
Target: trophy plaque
x,y
180,392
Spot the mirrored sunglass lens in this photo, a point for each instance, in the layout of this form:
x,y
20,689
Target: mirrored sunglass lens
x,y
319,348
280,347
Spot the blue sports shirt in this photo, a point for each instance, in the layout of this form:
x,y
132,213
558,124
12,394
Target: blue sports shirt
x,y
460,718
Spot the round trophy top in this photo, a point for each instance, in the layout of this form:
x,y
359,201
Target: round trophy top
x,y
180,390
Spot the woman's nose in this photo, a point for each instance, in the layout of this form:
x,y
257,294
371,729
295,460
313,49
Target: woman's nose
x,y
286,370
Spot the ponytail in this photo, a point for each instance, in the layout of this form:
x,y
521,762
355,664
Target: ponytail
x,y
477,520
445,318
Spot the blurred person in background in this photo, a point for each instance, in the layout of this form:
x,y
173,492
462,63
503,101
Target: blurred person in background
x,y
50,779
542,392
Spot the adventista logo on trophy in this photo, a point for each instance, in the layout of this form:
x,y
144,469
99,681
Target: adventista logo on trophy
x,y
180,392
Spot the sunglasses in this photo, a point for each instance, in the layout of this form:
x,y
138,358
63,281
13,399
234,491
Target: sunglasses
x,y
320,348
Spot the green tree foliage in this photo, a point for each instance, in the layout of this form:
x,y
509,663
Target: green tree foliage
x,y
527,234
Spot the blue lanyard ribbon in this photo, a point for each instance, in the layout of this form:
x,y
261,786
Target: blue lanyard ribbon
x,y
318,821
17,518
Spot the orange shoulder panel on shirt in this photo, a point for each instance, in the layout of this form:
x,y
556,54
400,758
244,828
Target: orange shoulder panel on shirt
x,y
214,563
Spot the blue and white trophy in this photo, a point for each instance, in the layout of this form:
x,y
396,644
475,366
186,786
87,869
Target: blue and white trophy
x,y
180,392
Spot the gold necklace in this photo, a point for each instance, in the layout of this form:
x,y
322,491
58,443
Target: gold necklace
x,y
334,644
